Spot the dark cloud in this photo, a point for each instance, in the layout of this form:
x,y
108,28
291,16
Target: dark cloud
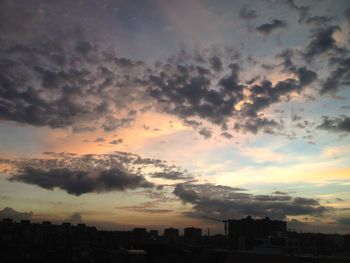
x,y
347,14
225,202
116,141
216,63
340,76
304,75
226,135
274,25
305,17
9,212
321,41
206,133
185,195
194,124
305,201
172,175
279,193
77,83
186,92
247,13
341,124
254,125
152,211
99,139
79,174
79,182
344,221
264,94
67,84
272,197
151,207
317,20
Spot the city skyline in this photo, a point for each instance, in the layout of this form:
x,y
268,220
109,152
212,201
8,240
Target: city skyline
x,y
154,113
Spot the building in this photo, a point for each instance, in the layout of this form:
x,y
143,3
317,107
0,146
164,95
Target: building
x,y
171,232
139,234
153,233
243,233
192,235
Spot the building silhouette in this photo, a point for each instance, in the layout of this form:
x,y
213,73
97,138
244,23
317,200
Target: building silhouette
x,y
192,235
171,232
248,240
243,233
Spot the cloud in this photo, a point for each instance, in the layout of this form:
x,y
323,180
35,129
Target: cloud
x,y
227,135
79,182
99,139
254,125
344,221
185,195
347,14
206,133
272,197
116,141
339,76
317,227
67,84
269,28
247,14
305,17
305,75
9,212
152,211
194,124
224,202
172,175
216,64
15,20
78,83
321,41
305,201
146,207
279,193
185,91
79,174
341,124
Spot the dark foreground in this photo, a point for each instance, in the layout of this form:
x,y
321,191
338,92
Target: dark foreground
x,y
28,242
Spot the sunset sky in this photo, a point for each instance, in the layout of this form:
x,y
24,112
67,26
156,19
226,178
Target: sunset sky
x,y
156,113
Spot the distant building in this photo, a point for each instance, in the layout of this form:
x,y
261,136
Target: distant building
x,y
243,233
192,234
171,232
7,220
25,222
153,233
139,233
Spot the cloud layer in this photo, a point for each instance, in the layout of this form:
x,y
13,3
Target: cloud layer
x,y
217,201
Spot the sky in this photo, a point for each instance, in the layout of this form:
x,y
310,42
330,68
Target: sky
x,y
153,113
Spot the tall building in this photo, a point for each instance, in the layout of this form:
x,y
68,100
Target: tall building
x,y
171,232
192,234
153,233
243,233
139,233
